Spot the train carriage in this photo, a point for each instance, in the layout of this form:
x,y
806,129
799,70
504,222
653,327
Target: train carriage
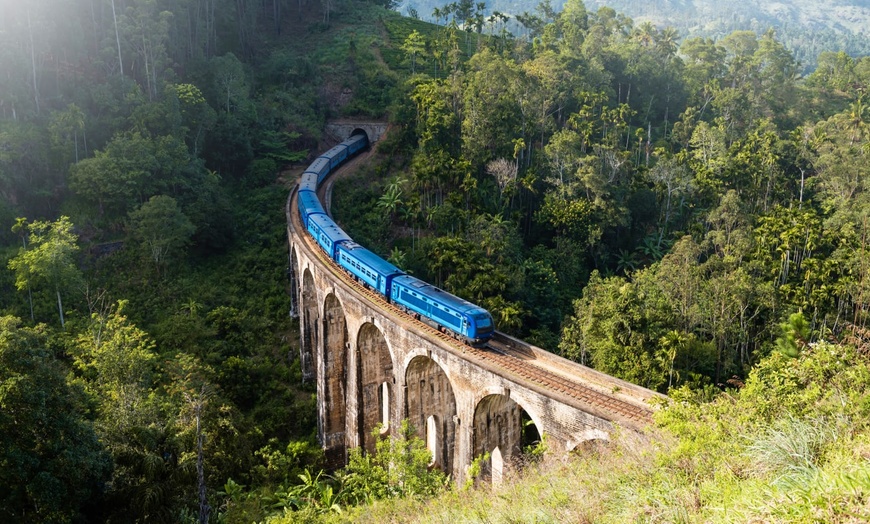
x,y
308,182
336,155
327,233
434,306
355,143
367,266
320,167
469,321
309,205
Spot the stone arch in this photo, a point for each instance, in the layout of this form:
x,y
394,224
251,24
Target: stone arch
x,y
430,405
591,441
592,447
361,131
375,385
500,423
334,403
292,270
310,315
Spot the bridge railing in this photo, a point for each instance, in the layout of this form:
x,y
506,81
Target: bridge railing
x,y
618,388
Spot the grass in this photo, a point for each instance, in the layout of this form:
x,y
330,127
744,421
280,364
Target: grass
x,y
626,485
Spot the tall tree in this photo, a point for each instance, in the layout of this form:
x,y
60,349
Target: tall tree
x,y
49,260
52,462
161,229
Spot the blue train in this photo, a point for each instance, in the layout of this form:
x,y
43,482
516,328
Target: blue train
x,y
436,307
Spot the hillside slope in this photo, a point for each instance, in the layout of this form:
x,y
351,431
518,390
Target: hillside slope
x,y
806,27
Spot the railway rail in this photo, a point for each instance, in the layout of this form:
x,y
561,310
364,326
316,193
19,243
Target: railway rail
x,y
511,358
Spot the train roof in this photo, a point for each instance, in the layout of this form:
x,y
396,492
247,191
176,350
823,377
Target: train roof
x,y
318,165
354,138
336,150
459,304
370,259
309,202
308,182
329,227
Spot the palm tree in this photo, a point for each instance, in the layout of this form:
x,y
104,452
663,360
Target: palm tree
x,y
666,42
856,119
391,200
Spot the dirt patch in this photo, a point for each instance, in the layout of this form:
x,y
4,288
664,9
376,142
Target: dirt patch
x,y
290,176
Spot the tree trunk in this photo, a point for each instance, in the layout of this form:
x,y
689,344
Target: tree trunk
x,y
30,299
117,38
60,307
204,508
29,291
33,62
147,69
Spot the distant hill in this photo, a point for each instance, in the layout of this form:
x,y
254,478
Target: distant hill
x,y
807,27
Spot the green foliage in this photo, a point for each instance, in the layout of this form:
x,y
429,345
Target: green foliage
x,y
52,461
132,168
399,468
281,466
114,358
795,334
48,259
514,168
618,328
161,229
791,448
799,462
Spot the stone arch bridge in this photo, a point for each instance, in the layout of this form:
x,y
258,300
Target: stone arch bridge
x,y
375,365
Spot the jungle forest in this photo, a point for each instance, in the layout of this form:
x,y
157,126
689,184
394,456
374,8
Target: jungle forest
x,y
688,214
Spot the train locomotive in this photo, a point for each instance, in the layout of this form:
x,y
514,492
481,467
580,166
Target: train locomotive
x,y
463,320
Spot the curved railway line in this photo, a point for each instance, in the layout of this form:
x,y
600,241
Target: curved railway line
x,y
549,374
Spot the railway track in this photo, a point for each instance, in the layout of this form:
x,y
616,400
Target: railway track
x,y
510,358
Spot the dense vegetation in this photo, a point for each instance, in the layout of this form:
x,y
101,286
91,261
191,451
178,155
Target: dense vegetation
x,y
687,215
653,209
806,27
148,360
